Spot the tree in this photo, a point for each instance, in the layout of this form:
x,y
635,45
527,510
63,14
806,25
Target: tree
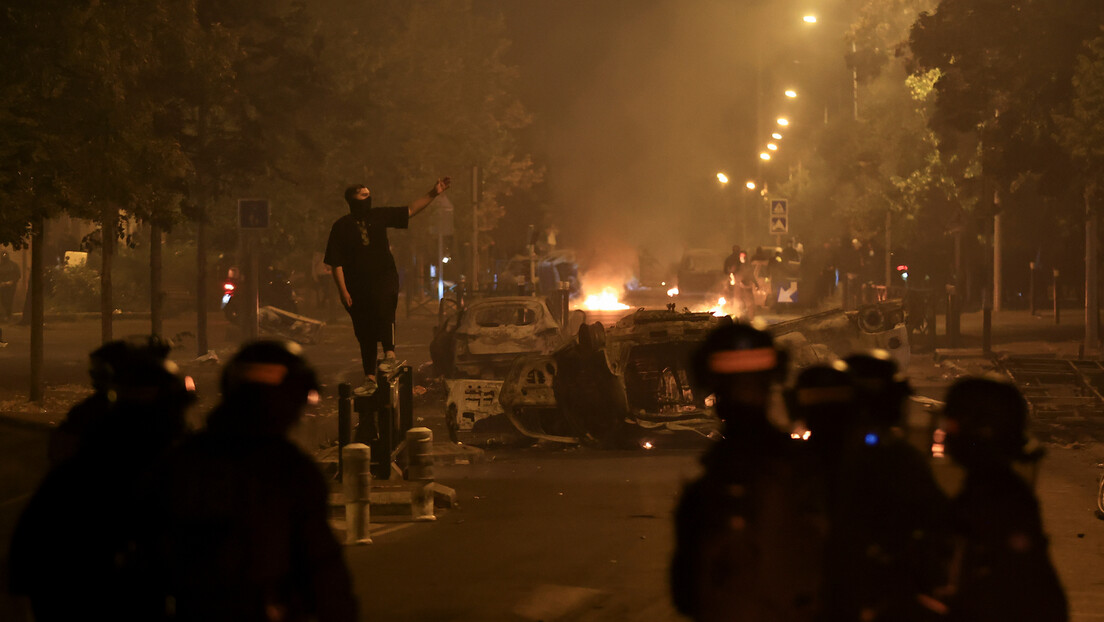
x,y
1081,132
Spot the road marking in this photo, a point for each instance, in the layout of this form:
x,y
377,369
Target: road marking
x,y
551,602
388,529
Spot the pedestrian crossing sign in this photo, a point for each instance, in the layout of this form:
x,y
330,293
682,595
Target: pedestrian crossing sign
x,y
779,216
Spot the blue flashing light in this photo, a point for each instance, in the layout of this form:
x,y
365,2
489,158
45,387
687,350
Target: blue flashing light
x,y
871,439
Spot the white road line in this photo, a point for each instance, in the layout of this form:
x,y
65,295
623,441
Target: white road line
x,y
388,529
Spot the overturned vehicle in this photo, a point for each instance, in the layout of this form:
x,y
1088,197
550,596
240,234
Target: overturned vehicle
x,y
630,384
603,387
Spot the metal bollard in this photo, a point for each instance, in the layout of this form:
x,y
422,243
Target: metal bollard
x,y
357,486
344,422
419,471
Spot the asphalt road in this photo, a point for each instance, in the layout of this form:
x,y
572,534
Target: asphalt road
x,y
543,533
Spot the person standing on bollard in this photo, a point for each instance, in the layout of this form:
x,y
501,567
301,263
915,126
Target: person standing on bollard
x,y
364,271
745,548
77,551
1001,569
242,517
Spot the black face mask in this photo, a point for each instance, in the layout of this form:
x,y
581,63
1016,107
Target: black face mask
x,y
359,208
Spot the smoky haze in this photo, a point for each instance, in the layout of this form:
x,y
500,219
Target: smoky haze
x,y
638,105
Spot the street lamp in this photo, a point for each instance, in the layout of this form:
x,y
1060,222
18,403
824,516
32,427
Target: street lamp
x,y
811,19
721,177
764,156
772,146
791,93
783,121
750,185
776,136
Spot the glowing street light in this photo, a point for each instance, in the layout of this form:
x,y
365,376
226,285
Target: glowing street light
x,y
791,93
764,156
810,19
783,121
772,146
750,185
721,177
776,136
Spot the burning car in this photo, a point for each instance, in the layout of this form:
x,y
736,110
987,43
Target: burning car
x,y
611,387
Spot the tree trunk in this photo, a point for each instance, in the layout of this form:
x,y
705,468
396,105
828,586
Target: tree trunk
x,y
38,238
1092,298
107,231
156,296
201,284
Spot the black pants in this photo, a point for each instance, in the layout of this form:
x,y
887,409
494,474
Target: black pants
x,y
374,322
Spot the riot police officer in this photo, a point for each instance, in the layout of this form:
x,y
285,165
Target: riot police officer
x,y
245,531
888,538
77,549
1002,570
742,543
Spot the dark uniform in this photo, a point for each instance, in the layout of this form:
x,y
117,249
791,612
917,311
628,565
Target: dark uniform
x,y
747,546
358,244
1001,569
245,534
890,533
77,550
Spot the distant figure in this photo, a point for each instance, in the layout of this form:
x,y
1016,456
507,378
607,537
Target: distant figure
x,y
889,530
104,366
851,264
365,274
747,545
10,273
1001,569
242,511
77,549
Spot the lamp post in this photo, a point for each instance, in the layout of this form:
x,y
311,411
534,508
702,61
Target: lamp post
x,y
812,20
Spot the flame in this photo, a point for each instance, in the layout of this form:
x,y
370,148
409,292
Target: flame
x,y
673,291
606,301
718,309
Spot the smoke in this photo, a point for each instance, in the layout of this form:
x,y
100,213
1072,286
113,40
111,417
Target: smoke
x,y
643,102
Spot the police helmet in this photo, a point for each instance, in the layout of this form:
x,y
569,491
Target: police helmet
x,y
736,349
879,384
986,419
273,367
825,390
105,362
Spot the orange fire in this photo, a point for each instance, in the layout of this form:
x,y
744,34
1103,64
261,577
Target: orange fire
x,y
605,301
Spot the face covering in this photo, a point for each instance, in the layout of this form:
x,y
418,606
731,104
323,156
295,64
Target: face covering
x,y
359,208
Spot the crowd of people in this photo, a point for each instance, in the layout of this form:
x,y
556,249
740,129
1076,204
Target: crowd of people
x,y
141,520
847,522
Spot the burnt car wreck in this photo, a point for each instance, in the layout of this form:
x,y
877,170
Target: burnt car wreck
x,y
512,371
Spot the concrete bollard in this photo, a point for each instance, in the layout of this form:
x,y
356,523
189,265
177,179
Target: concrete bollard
x,y
356,484
419,471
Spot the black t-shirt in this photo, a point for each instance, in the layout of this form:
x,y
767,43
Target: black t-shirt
x,y
361,248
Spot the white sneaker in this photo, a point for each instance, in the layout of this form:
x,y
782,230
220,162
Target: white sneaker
x,y
387,366
368,388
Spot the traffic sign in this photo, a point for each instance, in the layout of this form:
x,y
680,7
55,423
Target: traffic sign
x,y
779,216
253,213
